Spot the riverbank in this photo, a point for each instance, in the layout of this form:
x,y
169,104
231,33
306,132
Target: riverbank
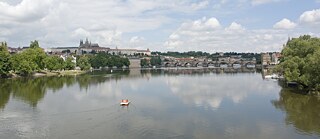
x,y
49,73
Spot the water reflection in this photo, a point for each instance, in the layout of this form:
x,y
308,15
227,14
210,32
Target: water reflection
x,y
302,111
166,103
32,90
210,91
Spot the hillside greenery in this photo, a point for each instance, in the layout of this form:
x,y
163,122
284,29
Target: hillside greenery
x,y
301,62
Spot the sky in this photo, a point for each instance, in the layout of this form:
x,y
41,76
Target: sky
x,y
160,25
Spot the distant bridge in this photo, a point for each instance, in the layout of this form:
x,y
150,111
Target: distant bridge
x,y
220,63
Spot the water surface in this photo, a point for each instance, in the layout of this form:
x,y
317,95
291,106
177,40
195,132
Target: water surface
x,y
167,103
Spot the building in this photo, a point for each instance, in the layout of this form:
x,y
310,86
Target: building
x,y
265,59
17,50
86,47
14,50
129,52
64,57
83,48
60,50
275,58
145,52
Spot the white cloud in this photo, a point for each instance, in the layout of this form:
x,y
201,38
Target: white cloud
x,y
200,5
259,2
235,27
114,23
202,24
285,24
174,36
62,22
137,39
232,38
81,33
26,11
311,17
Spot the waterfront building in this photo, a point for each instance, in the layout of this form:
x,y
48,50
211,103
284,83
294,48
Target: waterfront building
x,y
129,52
265,59
275,58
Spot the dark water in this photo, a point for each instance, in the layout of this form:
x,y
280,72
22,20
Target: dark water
x,y
183,104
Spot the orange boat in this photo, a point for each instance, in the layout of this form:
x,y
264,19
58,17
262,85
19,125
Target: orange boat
x,y
124,102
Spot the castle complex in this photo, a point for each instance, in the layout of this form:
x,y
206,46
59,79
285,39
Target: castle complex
x,y
91,48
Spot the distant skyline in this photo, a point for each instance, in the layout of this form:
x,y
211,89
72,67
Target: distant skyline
x,y
160,25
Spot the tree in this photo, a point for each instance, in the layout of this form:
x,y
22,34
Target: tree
x,y
69,64
99,60
125,61
29,60
23,64
83,63
54,63
143,62
34,44
301,61
5,66
155,61
37,54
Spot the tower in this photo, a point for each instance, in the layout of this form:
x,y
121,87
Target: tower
x,y
81,43
87,42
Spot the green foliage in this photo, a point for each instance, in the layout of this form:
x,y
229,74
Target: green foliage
x,y
5,66
301,61
23,64
54,63
83,63
34,44
69,64
155,61
36,54
28,61
143,63
107,60
100,60
125,61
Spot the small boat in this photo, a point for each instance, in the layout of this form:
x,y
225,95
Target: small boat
x,y
273,76
124,102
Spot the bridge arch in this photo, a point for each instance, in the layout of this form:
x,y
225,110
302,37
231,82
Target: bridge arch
x,y
177,64
187,64
237,64
223,64
199,64
167,64
250,64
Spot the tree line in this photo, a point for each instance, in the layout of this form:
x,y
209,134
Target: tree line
x,y
34,59
31,60
103,59
153,61
300,62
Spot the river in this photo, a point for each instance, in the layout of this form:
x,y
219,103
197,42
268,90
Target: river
x,y
165,103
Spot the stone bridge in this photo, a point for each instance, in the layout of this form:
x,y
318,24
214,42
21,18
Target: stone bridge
x,y
220,63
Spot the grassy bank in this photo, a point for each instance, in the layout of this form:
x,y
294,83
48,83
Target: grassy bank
x,y
59,73
47,73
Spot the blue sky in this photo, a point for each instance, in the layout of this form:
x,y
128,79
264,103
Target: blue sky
x,y
161,25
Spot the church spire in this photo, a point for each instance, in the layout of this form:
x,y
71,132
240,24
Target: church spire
x,y
87,42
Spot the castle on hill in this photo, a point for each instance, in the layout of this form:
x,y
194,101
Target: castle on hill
x,y
86,47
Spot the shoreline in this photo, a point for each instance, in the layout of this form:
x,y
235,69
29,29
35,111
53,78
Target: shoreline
x,y
47,74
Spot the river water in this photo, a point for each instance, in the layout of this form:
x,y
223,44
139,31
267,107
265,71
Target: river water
x,y
165,103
